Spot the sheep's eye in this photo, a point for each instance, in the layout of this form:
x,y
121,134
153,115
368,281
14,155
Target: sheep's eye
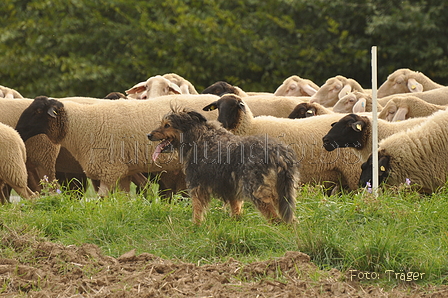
x,y
166,125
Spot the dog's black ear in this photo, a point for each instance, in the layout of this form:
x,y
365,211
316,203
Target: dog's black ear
x,y
211,107
197,116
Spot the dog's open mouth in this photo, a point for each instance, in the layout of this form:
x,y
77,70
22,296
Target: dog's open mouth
x,y
161,147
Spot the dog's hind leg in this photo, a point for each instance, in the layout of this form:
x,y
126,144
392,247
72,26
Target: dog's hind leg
x,y
235,207
200,200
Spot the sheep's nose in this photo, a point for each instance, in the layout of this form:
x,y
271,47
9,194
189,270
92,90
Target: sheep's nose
x,y
149,135
325,140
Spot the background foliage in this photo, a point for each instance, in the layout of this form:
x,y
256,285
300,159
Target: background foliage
x,y
92,47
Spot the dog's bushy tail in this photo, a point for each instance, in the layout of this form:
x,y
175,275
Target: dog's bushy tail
x,y
286,186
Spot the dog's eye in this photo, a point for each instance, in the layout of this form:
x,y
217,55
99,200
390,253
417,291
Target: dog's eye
x,y
167,126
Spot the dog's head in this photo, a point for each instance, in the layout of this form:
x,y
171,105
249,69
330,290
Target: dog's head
x,y
174,129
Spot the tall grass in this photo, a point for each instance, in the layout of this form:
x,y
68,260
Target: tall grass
x,y
400,230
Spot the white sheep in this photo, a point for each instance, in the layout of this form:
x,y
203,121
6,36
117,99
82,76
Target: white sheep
x,y
404,107
438,96
6,92
12,163
296,86
153,87
417,156
355,102
334,89
303,135
306,109
185,86
404,80
355,131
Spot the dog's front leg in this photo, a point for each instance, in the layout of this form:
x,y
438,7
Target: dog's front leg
x,y
200,201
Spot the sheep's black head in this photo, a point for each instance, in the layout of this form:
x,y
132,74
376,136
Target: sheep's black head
x,y
43,115
303,110
230,109
367,169
220,88
349,131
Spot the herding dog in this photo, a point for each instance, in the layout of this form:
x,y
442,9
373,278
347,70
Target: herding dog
x,y
234,168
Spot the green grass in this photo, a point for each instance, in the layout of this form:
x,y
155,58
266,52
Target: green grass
x,y
400,230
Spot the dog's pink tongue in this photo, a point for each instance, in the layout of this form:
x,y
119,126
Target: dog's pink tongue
x,y
158,150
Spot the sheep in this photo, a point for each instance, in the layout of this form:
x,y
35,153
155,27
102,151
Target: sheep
x,y
417,156
296,86
355,102
355,131
108,138
404,107
6,92
185,86
334,89
438,96
306,109
13,157
404,80
115,96
153,87
221,87
303,135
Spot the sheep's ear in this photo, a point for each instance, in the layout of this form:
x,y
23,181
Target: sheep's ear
x,y
414,86
309,90
383,164
140,87
310,113
242,106
52,112
173,87
344,91
360,106
401,113
211,107
358,126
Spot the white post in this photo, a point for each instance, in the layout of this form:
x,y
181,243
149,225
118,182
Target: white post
x,y
374,123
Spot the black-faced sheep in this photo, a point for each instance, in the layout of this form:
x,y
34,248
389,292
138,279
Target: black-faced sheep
x,y
334,89
355,132
404,107
306,109
221,87
404,80
115,96
12,160
303,135
417,156
296,86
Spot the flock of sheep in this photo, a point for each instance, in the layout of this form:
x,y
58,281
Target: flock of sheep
x,y
106,140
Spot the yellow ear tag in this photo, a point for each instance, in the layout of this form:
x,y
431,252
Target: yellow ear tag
x,y
383,169
54,112
413,87
359,127
212,108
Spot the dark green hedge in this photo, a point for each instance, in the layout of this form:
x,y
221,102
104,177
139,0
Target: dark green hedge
x,y
92,47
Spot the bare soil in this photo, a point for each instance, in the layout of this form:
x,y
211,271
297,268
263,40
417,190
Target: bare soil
x,y
71,271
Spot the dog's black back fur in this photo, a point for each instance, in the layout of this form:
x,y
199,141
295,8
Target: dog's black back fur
x,y
233,167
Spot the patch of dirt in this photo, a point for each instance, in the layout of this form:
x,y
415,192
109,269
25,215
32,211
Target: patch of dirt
x,y
72,271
